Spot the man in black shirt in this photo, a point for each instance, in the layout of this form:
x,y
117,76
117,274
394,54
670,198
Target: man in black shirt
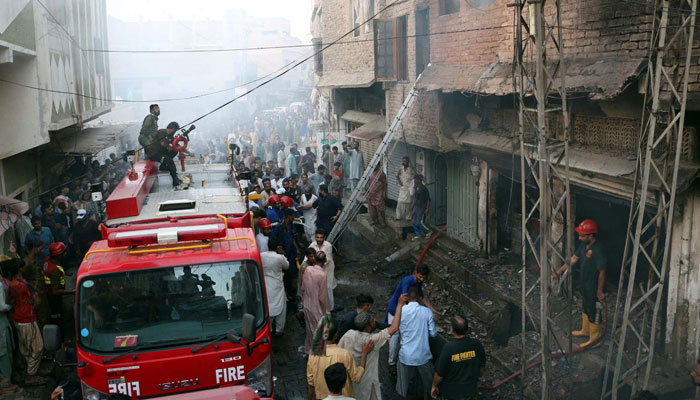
x,y
459,366
591,258
420,208
328,209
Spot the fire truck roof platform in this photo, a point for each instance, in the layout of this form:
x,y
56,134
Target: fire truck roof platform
x,y
150,195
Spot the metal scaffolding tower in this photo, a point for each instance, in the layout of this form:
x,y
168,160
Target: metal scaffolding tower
x,y
544,146
651,214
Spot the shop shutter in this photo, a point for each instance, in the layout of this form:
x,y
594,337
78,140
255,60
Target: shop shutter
x,y
462,201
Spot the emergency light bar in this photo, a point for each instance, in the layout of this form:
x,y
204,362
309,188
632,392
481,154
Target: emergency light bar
x,y
166,235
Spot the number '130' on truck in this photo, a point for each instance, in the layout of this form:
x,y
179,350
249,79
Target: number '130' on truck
x,y
172,299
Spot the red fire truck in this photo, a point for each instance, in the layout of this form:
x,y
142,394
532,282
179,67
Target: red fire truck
x,y
172,299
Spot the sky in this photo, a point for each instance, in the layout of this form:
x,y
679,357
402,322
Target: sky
x,y
297,11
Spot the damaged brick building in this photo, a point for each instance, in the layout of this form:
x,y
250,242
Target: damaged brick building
x,y
462,130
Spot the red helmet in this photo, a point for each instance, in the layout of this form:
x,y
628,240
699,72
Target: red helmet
x,y
273,199
287,201
587,227
57,248
264,223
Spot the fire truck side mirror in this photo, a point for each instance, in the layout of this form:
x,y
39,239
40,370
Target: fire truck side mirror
x,y
52,338
248,327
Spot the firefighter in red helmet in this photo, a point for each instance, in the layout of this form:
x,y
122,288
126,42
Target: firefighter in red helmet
x,y
592,259
55,281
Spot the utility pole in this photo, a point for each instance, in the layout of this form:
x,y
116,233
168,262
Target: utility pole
x,y
544,171
651,214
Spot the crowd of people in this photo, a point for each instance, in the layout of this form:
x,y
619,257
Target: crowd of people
x,y
56,234
343,353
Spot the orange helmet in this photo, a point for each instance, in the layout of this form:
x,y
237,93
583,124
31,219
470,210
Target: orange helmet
x,y
57,248
273,199
587,227
287,201
264,223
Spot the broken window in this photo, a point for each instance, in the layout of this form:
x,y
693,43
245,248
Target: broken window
x,y
390,49
362,10
449,6
318,55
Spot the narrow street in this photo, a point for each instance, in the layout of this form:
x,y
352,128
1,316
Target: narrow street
x,y
362,269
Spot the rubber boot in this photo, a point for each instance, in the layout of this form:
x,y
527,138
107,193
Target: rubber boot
x,y
585,327
596,331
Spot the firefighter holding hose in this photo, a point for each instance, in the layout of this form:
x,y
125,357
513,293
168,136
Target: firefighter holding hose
x,y
592,259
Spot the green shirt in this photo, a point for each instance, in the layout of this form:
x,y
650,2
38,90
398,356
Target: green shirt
x,y
149,129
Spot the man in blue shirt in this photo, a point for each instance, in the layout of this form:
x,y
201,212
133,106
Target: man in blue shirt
x,y
415,360
415,280
42,233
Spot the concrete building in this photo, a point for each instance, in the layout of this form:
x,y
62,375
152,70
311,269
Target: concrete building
x,y
462,130
50,85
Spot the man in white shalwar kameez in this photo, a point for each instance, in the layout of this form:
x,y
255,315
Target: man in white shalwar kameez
x,y
274,262
405,177
357,164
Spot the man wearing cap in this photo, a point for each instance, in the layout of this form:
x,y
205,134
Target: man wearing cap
x,y
274,264
593,260
55,281
263,238
85,232
352,341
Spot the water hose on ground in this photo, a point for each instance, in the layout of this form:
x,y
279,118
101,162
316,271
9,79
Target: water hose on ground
x,y
555,356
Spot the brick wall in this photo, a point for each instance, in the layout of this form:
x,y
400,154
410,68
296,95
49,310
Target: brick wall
x,y
358,55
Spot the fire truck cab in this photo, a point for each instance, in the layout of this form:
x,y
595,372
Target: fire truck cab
x,y
172,299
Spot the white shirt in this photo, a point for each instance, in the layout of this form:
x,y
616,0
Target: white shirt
x,y
329,266
280,158
357,164
273,265
341,397
276,183
407,186
262,242
352,341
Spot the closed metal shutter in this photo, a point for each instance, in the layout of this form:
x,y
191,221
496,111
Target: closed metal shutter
x,y
402,149
462,201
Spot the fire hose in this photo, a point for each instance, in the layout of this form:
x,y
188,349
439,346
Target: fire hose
x,y
555,356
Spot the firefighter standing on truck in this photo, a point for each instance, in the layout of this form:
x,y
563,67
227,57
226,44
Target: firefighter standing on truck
x,y
149,129
55,281
592,258
153,140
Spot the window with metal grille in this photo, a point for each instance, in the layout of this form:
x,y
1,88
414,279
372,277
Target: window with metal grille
x,y
448,6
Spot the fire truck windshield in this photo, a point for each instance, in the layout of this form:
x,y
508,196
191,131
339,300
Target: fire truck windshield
x,y
183,304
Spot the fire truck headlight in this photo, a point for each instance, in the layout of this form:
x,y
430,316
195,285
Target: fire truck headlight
x,y
260,378
92,394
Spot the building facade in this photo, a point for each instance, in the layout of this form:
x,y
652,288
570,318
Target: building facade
x,y
53,79
462,130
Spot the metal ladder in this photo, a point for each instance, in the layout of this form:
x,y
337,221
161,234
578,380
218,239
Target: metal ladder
x,y
358,194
